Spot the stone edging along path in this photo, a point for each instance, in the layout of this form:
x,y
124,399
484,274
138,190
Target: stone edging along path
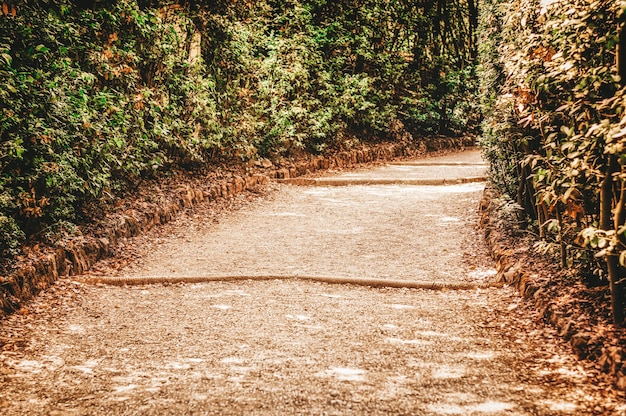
x,y
509,254
348,181
41,266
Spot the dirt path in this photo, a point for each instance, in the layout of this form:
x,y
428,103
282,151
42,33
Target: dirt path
x,y
295,347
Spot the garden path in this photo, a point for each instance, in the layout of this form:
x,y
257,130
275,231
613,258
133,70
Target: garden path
x,y
290,346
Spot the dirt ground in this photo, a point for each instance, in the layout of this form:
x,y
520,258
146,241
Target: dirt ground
x,y
294,347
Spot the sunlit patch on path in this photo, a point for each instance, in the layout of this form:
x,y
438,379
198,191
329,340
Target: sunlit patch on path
x,y
447,372
401,306
345,374
408,341
479,408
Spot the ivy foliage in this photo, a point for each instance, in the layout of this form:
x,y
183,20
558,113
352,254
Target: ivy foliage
x,y
97,95
555,126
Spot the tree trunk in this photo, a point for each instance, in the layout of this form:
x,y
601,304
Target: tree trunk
x,y
560,237
473,23
616,272
606,196
618,301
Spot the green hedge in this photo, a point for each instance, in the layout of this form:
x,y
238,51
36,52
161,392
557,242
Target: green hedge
x,y
555,127
95,96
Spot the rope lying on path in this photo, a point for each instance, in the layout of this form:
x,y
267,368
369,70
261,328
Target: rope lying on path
x,y
361,281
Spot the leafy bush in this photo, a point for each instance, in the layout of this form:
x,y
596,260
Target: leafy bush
x,y
554,131
92,99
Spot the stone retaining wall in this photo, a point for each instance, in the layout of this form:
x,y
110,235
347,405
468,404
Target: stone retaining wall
x,y
41,266
590,341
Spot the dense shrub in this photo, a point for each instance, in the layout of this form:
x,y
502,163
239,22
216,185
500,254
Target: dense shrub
x,y
555,126
90,101
96,95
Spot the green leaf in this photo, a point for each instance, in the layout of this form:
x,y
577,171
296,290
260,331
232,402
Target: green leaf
x,y
7,58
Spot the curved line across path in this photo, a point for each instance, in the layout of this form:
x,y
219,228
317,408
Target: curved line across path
x,y
361,281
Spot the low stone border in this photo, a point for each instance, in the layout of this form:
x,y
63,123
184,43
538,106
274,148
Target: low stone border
x,y
514,264
366,181
425,163
41,266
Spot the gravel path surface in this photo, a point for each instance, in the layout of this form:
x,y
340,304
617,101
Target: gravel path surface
x,y
360,231
292,347
443,167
